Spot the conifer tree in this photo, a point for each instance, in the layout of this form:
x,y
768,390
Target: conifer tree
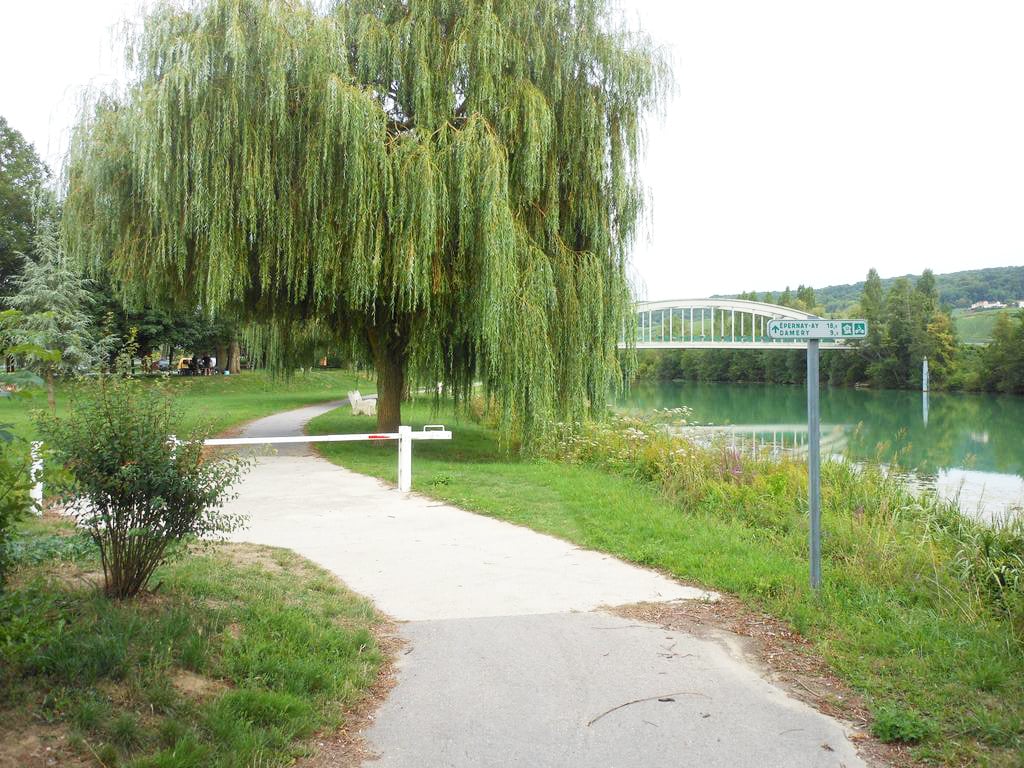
x,y
54,305
447,189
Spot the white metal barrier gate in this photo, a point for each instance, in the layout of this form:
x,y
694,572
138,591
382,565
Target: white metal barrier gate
x,y
405,437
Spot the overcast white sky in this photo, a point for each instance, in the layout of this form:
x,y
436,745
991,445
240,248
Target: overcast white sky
x,y
808,140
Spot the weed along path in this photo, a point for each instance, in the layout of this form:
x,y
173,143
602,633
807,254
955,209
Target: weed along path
x,y
510,658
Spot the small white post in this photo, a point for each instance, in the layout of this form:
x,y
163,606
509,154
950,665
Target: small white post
x,y
36,474
405,459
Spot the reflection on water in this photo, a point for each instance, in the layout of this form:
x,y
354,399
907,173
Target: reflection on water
x,y
966,444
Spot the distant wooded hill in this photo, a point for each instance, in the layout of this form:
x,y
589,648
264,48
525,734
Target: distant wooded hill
x,y
956,289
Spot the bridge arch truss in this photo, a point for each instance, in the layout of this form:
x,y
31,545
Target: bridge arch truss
x,y
714,324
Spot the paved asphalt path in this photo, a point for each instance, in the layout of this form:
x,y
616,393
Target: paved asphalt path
x,y
510,660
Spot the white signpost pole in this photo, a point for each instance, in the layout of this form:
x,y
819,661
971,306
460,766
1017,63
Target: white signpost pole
x,y
812,331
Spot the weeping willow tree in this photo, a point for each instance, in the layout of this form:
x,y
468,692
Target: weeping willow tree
x,y
445,189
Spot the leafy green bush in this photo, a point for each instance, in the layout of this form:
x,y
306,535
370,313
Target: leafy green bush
x,y
134,489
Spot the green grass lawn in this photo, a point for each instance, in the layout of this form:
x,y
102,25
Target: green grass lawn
x,y
976,327
218,401
239,656
951,680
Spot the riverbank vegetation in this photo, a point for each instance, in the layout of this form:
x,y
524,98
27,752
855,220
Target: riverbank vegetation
x,y
238,657
906,323
921,609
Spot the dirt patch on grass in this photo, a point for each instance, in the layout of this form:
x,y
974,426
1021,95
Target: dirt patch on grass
x,y
36,746
781,655
236,431
251,554
194,686
118,692
346,747
72,576
67,574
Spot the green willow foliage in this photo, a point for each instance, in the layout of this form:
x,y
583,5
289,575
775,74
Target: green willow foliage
x,y
447,189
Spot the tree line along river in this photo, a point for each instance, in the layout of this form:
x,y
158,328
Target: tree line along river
x,y
965,445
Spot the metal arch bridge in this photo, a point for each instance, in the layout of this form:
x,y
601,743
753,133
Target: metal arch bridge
x,y
714,324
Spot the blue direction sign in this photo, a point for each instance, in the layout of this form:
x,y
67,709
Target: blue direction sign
x,y
818,329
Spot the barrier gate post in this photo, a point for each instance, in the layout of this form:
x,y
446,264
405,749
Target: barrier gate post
x,y
405,459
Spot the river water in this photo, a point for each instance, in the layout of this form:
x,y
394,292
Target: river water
x,y
966,446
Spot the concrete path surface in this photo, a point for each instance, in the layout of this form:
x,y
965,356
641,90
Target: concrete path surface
x,y
510,660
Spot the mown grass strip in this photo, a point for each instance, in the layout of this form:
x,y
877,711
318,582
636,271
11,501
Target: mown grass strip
x,y
938,668
220,402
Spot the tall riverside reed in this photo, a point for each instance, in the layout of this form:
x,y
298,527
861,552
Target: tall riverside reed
x,y
878,527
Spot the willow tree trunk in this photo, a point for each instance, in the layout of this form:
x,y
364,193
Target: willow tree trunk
x,y
388,346
222,357
234,357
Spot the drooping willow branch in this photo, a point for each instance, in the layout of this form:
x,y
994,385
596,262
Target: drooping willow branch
x,y
460,173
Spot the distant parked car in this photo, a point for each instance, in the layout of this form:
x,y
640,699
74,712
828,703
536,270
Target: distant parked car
x,y
163,364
